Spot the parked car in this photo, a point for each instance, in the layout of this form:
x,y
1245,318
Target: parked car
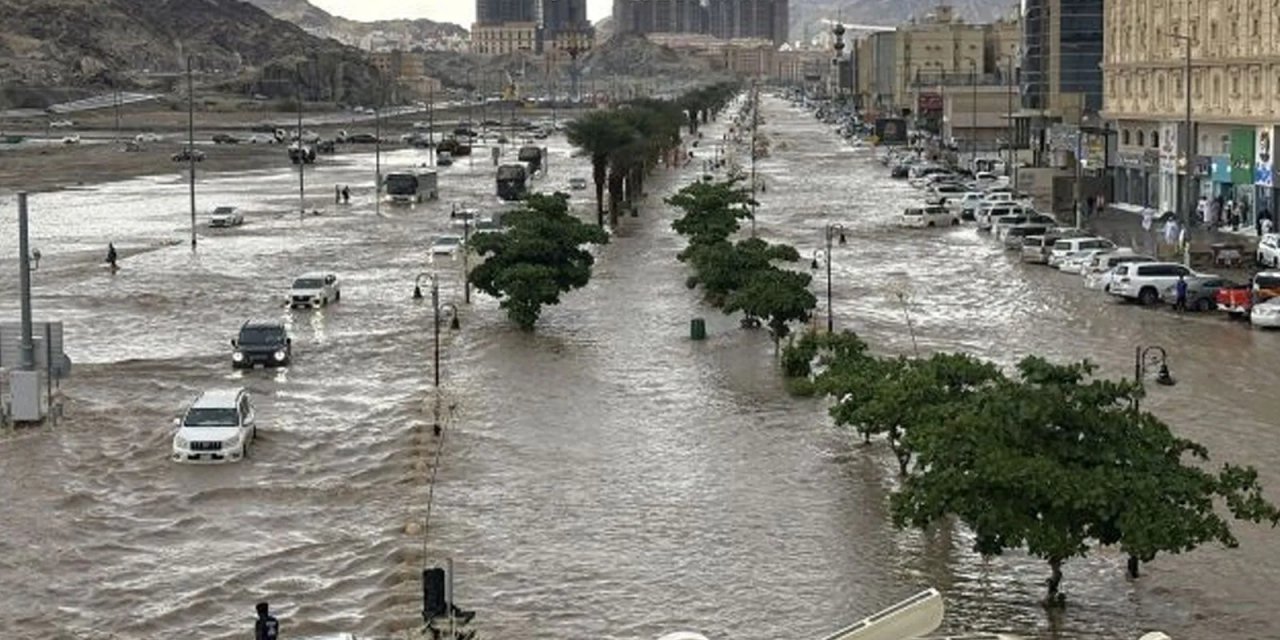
x,y
1067,247
577,184
966,205
225,217
930,216
1240,300
1015,235
359,138
1266,314
265,343
1101,270
446,245
225,138
1144,281
188,155
1001,225
988,212
1269,251
217,427
71,139
314,290
148,137
61,124
1202,292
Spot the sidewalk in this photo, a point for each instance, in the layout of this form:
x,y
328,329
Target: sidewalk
x,y
1123,225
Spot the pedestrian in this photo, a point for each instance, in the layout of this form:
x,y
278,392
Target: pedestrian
x,y
337,194
1214,210
1266,225
1202,210
1263,215
266,627
1171,231
346,195
1180,292
1233,214
111,255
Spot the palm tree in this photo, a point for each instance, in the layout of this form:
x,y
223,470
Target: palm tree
x,y
600,134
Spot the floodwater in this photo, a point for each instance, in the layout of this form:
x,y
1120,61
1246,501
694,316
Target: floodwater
x,y
603,477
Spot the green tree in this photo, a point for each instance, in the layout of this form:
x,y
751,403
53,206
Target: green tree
x,y
1047,462
776,296
711,211
539,256
599,134
722,267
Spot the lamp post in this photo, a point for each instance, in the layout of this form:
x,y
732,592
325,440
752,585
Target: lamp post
x,y
1144,360
302,158
191,147
973,116
831,231
466,241
1184,207
436,306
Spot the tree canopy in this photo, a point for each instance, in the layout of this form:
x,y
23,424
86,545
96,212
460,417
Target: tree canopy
x,y
539,256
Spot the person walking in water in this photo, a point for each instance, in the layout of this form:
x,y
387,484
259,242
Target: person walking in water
x,y
1180,293
112,256
266,627
346,195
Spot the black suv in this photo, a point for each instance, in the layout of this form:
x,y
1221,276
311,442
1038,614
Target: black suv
x,y
265,343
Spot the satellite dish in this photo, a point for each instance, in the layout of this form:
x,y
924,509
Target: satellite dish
x,y
683,635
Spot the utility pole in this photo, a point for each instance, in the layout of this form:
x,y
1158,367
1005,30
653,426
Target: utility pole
x,y
973,121
431,123
1008,165
302,158
28,356
117,101
191,147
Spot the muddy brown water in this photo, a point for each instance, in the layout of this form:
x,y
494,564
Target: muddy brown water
x,y
603,477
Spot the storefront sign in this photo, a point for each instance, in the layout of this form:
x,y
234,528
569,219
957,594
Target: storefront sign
x,y
1222,169
1168,147
1263,157
1202,166
1242,141
1130,160
929,103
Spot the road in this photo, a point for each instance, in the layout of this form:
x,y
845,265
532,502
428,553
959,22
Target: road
x,y
603,477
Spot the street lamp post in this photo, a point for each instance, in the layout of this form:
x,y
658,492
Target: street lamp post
x,y
466,241
973,117
436,306
831,231
1184,208
1145,359
191,147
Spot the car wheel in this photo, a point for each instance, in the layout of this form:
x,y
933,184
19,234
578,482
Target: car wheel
x,y
244,450
929,224
1204,305
1148,296
337,296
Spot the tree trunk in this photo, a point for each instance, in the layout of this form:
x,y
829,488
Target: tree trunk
x,y
1134,564
598,172
1054,598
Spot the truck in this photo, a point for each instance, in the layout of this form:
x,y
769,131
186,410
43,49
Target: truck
x,y
512,181
1238,301
532,156
412,187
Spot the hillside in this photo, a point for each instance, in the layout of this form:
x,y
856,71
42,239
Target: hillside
x,y
807,15
139,42
319,22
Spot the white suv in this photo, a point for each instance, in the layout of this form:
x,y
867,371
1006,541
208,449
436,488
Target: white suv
x,y
315,290
1070,247
1269,250
1143,281
217,427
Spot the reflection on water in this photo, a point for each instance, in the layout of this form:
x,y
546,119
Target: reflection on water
x,y
604,477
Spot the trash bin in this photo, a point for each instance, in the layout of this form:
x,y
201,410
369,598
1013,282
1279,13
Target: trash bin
x,y
698,329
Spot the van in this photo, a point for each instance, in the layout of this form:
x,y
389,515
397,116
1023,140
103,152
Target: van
x,y
1066,247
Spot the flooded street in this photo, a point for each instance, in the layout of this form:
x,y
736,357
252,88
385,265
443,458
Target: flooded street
x,y
604,477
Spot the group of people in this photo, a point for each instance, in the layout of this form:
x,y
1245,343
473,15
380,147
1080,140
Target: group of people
x,y
1222,213
341,195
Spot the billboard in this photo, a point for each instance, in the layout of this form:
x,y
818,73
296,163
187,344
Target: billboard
x,y
929,102
891,131
1262,158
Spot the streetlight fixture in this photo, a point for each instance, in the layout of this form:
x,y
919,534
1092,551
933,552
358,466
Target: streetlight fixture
x,y
1145,359
1184,210
436,306
830,232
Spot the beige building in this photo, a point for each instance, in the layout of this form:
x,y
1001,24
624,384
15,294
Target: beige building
x,y
1235,100
404,75
504,38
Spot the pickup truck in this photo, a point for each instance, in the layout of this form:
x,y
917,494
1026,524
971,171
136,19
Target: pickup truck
x,y
1239,300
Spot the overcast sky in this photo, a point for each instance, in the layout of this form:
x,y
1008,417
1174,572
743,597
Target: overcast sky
x,y
457,11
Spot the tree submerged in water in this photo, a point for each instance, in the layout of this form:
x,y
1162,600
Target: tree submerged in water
x,y
539,256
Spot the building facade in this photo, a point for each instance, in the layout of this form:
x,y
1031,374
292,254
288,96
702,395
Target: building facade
x,y
492,12
1228,153
725,19
505,38
1062,47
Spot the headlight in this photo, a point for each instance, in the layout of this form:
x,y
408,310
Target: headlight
x,y
279,355
180,442
237,356
231,442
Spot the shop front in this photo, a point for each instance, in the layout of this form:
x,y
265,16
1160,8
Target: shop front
x,y
1136,177
1263,180
1243,192
1220,178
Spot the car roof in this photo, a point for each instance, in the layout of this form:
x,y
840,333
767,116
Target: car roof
x,y
274,324
217,398
312,274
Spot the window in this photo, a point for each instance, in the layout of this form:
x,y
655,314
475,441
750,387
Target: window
x,y
1142,138
1235,84
1224,144
1199,87
1177,85
1124,137
1155,139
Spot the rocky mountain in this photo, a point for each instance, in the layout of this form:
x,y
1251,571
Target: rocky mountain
x,y
140,42
319,22
807,16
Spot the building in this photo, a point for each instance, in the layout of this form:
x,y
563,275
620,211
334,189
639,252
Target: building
x,y
404,76
564,15
725,19
505,38
1235,102
494,12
